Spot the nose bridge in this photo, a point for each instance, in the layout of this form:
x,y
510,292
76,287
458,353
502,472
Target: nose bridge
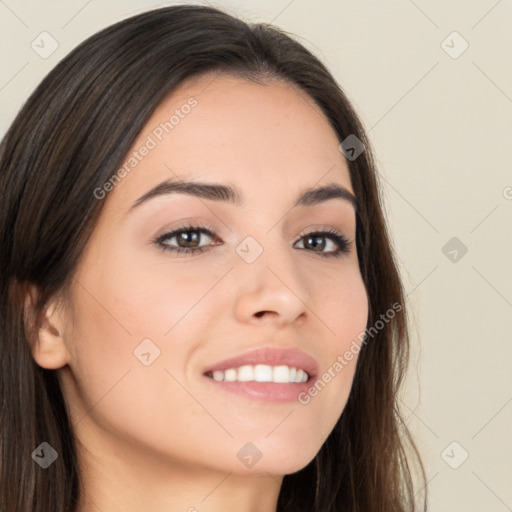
x,y
268,279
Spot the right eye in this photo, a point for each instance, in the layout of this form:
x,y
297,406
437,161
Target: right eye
x,y
187,240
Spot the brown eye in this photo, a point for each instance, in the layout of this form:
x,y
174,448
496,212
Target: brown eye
x,y
186,239
335,243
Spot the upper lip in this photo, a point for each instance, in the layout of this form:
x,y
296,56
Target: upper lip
x,y
291,357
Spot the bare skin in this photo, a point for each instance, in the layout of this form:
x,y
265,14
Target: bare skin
x,y
163,436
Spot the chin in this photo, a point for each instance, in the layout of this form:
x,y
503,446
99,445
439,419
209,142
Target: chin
x,y
278,462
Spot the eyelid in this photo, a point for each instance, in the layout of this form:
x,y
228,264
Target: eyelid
x,y
188,226
315,228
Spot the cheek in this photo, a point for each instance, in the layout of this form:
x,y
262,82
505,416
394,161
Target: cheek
x,y
341,303
155,296
116,333
351,317
342,306
129,313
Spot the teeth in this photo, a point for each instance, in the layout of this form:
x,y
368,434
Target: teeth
x,y
230,375
281,374
301,376
218,375
262,373
246,373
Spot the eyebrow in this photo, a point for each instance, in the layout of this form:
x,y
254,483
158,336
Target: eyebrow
x,y
230,194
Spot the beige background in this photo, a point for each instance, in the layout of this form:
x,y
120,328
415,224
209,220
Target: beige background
x,y
442,130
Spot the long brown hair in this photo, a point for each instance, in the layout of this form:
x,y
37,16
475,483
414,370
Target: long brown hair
x,y
69,138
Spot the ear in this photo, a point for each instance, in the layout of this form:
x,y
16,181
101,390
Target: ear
x,y
45,329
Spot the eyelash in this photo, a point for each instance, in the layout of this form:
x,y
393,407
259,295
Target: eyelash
x,y
340,240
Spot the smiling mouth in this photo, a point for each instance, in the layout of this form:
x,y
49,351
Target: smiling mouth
x,y
279,374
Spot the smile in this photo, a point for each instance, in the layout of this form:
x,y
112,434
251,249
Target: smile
x,y
282,374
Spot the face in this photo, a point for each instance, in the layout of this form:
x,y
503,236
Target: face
x,y
186,289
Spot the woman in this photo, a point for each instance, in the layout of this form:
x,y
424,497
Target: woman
x,y
200,305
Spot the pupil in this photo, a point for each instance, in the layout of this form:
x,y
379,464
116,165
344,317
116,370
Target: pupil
x,y
190,238
321,244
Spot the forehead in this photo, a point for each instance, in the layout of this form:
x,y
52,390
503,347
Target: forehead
x,y
270,140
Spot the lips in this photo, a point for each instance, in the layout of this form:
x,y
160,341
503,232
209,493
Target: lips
x,y
268,375
292,358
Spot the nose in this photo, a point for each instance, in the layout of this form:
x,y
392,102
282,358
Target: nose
x,y
270,290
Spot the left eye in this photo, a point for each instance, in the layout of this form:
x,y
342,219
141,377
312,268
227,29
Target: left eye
x,y
319,240
327,243
316,240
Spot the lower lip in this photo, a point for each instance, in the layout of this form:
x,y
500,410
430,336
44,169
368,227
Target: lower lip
x,y
263,391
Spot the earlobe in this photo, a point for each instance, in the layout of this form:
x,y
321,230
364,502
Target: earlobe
x,y
45,330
